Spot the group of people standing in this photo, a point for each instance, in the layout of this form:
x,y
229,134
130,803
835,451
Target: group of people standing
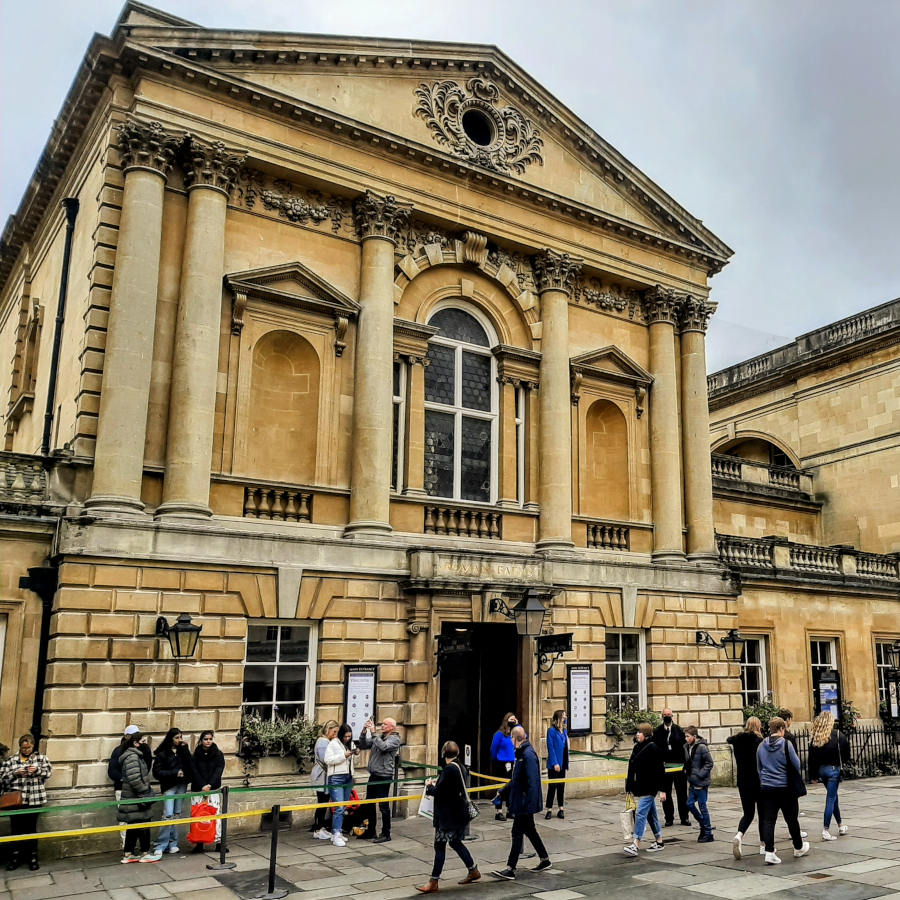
x,y
177,770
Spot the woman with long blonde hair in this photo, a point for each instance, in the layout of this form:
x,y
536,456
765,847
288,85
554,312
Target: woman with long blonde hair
x,y
744,744
828,751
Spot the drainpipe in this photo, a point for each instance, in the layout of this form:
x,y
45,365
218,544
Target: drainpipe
x,y
42,580
71,205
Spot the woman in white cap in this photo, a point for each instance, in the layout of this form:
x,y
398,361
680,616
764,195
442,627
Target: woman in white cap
x,y
114,767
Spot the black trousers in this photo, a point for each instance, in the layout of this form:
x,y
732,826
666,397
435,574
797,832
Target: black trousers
x,y
375,791
750,805
771,800
556,788
523,827
137,838
24,823
321,814
679,782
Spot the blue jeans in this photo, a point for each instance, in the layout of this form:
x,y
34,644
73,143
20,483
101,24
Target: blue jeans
x,y
830,776
646,813
339,786
697,805
167,836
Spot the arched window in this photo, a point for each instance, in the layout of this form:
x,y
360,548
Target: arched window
x,y
460,409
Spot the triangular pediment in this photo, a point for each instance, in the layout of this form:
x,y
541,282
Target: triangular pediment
x,y
610,362
295,284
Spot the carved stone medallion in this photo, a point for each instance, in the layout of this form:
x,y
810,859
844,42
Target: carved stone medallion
x,y
468,121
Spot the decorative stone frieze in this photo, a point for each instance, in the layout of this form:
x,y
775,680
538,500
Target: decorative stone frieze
x,y
147,145
211,164
556,271
695,313
299,205
661,305
380,216
506,142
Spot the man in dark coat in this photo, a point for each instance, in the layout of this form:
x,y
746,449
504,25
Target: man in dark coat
x,y
670,739
523,795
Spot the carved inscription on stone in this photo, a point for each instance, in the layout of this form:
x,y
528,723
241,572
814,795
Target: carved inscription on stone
x,y
486,569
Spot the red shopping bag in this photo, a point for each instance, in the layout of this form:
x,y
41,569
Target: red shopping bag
x,y
202,832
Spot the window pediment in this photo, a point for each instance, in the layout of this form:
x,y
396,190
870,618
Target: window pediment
x,y
609,364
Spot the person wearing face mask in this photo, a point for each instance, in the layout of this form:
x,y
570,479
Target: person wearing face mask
x,y
669,737
503,753
557,762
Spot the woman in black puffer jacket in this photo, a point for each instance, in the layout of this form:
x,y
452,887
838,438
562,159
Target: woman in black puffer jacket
x,y
136,783
208,764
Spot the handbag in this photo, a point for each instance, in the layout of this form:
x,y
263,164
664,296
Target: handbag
x,y
11,800
471,808
202,832
426,807
626,818
795,780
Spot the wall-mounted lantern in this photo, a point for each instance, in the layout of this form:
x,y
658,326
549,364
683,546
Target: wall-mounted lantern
x,y
732,644
528,613
550,647
182,636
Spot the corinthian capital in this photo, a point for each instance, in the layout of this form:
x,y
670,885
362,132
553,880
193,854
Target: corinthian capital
x,y
695,314
661,305
378,216
147,145
556,271
211,164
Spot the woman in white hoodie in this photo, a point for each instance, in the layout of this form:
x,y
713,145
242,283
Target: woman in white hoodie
x,y
339,777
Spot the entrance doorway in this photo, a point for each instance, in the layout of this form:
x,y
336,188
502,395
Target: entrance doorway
x,y
478,688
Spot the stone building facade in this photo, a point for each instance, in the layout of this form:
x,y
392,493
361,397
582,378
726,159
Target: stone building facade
x,y
806,462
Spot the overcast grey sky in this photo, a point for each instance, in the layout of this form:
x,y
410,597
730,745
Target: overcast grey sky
x,y
774,121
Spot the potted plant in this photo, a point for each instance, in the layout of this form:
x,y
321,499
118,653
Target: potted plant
x,y
261,737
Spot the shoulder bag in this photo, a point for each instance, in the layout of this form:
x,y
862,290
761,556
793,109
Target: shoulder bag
x,y
11,800
471,808
795,781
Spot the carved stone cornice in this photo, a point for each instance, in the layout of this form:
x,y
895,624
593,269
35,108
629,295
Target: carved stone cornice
x,y
211,164
661,304
555,271
510,140
380,216
695,314
517,366
147,145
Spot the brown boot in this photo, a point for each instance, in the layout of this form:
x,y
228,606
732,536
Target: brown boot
x,y
430,888
473,875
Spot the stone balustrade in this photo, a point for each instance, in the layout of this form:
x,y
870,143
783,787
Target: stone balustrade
x,y
814,559
874,565
23,483
460,521
741,552
277,504
608,536
737,469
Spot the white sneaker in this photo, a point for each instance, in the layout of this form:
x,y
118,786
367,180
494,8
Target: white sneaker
x,y
772,859
151,857
804,835
631,849
803,850
655,847
338,840
323,834
843,829
173,850
828,836
737,848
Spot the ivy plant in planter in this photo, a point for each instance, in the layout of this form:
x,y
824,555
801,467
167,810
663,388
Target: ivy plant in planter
x,y
261,737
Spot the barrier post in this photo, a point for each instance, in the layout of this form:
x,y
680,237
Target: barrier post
x,y
223,837
273,894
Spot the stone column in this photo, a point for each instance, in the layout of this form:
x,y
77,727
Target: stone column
x,y
555,274
210,170
378,220
413,482
661,310
698,496
148,152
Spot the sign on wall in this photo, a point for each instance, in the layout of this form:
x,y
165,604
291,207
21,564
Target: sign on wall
x,y
359,696
828,692
581,703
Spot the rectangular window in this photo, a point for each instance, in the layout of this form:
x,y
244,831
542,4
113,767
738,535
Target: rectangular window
x,y
279,672
822,655
882,665
754,683
626,681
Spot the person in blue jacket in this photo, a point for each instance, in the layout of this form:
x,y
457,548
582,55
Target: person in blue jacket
x,y
523,795
503,753
557,762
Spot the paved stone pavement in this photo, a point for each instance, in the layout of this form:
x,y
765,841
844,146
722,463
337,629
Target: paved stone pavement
x,y
585,847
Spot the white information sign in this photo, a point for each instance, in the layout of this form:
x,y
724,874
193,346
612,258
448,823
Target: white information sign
x,y
359,697
580,701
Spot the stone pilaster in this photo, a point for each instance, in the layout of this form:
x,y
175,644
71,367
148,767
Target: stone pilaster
x,y
509,460
378,220
555,274
661,307
148,152
698,496
210,170
413,481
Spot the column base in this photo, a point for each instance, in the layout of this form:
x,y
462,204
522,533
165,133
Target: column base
x,y
710,556
414,492
554,544
367,528
113,505
182,509
664,556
